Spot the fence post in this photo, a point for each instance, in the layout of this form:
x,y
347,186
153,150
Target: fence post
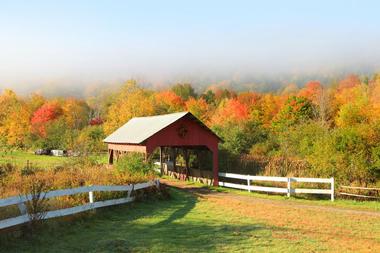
x,y
130,191
332,188
288,187
249,183
91,196
22,208
157,183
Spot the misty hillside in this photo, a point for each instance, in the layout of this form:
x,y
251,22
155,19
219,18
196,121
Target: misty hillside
x,y
263,83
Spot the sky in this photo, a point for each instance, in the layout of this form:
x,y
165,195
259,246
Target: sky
x,y
71,43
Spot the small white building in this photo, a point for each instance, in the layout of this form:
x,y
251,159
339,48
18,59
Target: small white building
x,y
57,152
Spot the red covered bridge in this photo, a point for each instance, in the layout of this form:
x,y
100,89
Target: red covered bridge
x,y
173,134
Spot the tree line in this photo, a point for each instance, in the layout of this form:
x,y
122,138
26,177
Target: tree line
x,y
319,130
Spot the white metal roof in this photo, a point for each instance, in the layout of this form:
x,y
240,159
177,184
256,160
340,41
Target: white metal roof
x,y
139,129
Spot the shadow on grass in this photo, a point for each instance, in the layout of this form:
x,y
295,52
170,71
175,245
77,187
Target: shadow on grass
x,y
156,226
185,208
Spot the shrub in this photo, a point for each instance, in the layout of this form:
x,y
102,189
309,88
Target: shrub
x,y
134,163
90,139
6,169
239,138
37,205
69,175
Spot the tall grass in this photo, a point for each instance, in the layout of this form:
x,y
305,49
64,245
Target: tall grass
x,y
16,181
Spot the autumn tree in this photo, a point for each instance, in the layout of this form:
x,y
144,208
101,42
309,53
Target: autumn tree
x,y
7,100
317,130
239,138
14,119
48,112
311,91
76,113
100,103
199,108
321,99
56,135
132,101
353,107
267,108
168,102
17,125
350,81
248,98
185,91
222,94
96,121
230,110
35,101
290,90
90,139
233,123
296,110
209,96
348,90
374,98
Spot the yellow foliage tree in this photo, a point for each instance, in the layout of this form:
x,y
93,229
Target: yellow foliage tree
x,y
35,101
375,100
76,113
199,108
354,106
17,125
268,106
132,101
14,119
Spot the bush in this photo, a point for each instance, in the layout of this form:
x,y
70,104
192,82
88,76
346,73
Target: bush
x,y
134,163
6,169
67,176
241,164
37,204
239,138
90,140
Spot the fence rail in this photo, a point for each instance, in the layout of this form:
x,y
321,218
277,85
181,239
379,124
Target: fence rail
x,y
24,217
288,190
361,189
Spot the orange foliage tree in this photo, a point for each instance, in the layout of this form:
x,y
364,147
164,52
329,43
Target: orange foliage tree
x,y
311,91
167,102
230,110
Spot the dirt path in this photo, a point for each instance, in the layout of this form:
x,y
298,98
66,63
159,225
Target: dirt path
x,y
339,228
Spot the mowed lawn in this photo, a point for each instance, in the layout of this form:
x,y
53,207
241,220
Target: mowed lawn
x,y
208,222
21,158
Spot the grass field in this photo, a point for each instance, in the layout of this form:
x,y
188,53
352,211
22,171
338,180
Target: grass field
x,y
298,199
20,159
204,219
309,199
209,222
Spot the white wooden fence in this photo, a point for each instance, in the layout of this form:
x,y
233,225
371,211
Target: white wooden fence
x,y
24,217
288,190
361,189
